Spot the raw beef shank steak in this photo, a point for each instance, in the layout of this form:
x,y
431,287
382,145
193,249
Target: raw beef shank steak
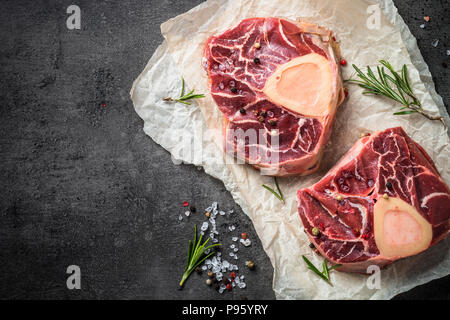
x,y
384,200
278,85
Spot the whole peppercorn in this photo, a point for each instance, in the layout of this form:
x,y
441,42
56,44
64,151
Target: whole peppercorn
x,y
343,62
210,274
242,110
244,235
315,231
232,275
208,214
250,264
312,246
256,60
339,198
272,122
385,196
261,119
198,270
216,286
224,280
263,113
233,89
192,209
209,282
257,45
229,286
388,185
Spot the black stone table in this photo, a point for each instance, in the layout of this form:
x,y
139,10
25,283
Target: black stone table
x,y
81,184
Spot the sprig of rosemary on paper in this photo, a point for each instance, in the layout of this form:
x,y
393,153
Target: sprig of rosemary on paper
x,y
278,194
325,275
183,98
394,86
196,254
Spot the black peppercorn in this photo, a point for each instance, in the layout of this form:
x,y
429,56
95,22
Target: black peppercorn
x,y
263,113
272,122
242,110
311,245
388,185
233,89
256,60
192,209
198,270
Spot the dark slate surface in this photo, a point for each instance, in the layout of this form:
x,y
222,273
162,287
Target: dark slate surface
x,y
82,184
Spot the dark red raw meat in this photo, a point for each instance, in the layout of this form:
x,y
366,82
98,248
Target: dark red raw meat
x,y
237,81
341,205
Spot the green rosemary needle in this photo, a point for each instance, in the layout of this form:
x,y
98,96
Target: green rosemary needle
x,y
394,86
196,255
278,194
183,98
324,274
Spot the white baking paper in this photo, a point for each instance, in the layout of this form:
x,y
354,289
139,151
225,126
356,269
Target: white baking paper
x,y
183,131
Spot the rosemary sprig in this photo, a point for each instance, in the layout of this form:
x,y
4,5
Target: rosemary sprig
x,y
196,255
394,86
183,98
324,274
278,194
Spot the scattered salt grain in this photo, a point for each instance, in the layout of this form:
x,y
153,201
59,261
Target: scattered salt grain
x,y
204,226
180,217
242,285
435,43
232,246
187,213
231,254
422,26
222,213
448,52
234,239
235,249
246,242
231,228
204,267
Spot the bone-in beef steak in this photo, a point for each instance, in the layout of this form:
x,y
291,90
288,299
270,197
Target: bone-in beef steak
x,y
278,85
384,200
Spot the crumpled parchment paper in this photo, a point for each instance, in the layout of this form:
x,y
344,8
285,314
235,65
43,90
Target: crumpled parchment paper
x,y
183,131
